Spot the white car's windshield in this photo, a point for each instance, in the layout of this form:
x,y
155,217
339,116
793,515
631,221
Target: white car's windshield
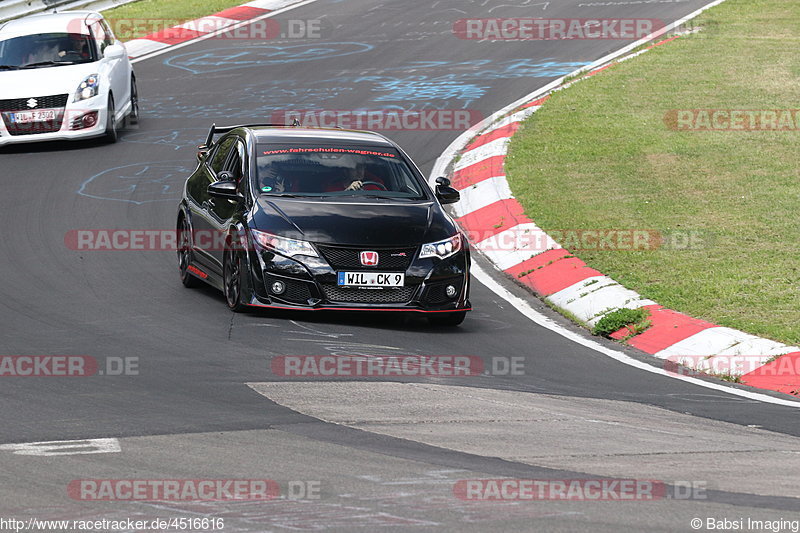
x,y
45,50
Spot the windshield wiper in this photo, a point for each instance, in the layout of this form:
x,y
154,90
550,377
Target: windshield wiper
x,y
9,67
282,195
378,196
48,63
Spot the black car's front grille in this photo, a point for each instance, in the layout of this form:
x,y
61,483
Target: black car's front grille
x,y
296,291
42,102
57,102
334,293
340,257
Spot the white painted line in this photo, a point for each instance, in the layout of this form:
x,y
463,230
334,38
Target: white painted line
x,y
64,447
481,153
525,308
482,194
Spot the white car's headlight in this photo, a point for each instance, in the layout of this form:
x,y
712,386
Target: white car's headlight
x,y
283,245
442,249
88,88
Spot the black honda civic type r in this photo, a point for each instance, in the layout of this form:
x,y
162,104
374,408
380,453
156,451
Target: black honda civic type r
x,y
320,219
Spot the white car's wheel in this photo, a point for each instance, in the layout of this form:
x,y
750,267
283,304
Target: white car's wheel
x,y
111,123
133,117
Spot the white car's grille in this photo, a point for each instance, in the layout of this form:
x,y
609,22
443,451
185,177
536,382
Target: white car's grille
x,y
41,102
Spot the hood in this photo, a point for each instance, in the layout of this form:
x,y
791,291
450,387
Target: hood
x,y
359,224
44,81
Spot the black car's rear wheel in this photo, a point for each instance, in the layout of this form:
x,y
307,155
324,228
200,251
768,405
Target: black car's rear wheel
x,y
233,277
447,319
185,255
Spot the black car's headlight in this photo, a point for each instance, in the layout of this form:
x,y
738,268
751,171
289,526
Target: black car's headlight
x,y
282,245
441,249
88,88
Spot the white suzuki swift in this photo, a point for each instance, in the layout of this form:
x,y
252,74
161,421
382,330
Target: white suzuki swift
x,y
63,76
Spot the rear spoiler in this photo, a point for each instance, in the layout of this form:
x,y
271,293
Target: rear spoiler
x,y
225,129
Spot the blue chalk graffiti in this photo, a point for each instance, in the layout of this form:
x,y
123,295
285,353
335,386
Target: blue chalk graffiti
x,y
230,58
139,183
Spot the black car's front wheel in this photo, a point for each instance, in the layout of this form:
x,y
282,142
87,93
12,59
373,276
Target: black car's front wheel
x,y
447,319
232,281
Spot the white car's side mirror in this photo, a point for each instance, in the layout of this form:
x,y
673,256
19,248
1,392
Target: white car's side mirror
x,y
114,51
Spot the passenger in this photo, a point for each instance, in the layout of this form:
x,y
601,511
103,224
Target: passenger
x,y
42,53
271,180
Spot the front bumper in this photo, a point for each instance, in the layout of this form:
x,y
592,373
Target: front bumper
x,y
62,129
311,284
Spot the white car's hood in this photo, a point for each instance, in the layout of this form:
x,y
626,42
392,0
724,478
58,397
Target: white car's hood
x,y
44,81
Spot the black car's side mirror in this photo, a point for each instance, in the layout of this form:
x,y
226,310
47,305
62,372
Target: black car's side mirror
x,y
224,189
445,193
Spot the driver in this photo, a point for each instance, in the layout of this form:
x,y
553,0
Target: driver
x,y
358,179
74,45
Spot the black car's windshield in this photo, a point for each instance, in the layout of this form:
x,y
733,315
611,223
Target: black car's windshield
x,y
332,171
46,50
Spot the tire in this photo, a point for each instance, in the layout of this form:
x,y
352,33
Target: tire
x,y
189,280
111,124
232,277
447,319
133,116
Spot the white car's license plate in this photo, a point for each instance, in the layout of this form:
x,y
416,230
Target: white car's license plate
x,y
371,279
26,117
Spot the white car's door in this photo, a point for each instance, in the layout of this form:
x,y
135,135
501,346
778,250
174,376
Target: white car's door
x,y
117,69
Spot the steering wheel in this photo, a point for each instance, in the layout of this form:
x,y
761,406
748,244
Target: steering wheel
x,y
381,186
71,55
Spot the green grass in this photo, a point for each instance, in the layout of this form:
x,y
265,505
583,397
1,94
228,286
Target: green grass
x,y
599,155
141,18
635,319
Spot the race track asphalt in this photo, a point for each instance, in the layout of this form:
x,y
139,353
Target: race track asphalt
x,y
189,413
